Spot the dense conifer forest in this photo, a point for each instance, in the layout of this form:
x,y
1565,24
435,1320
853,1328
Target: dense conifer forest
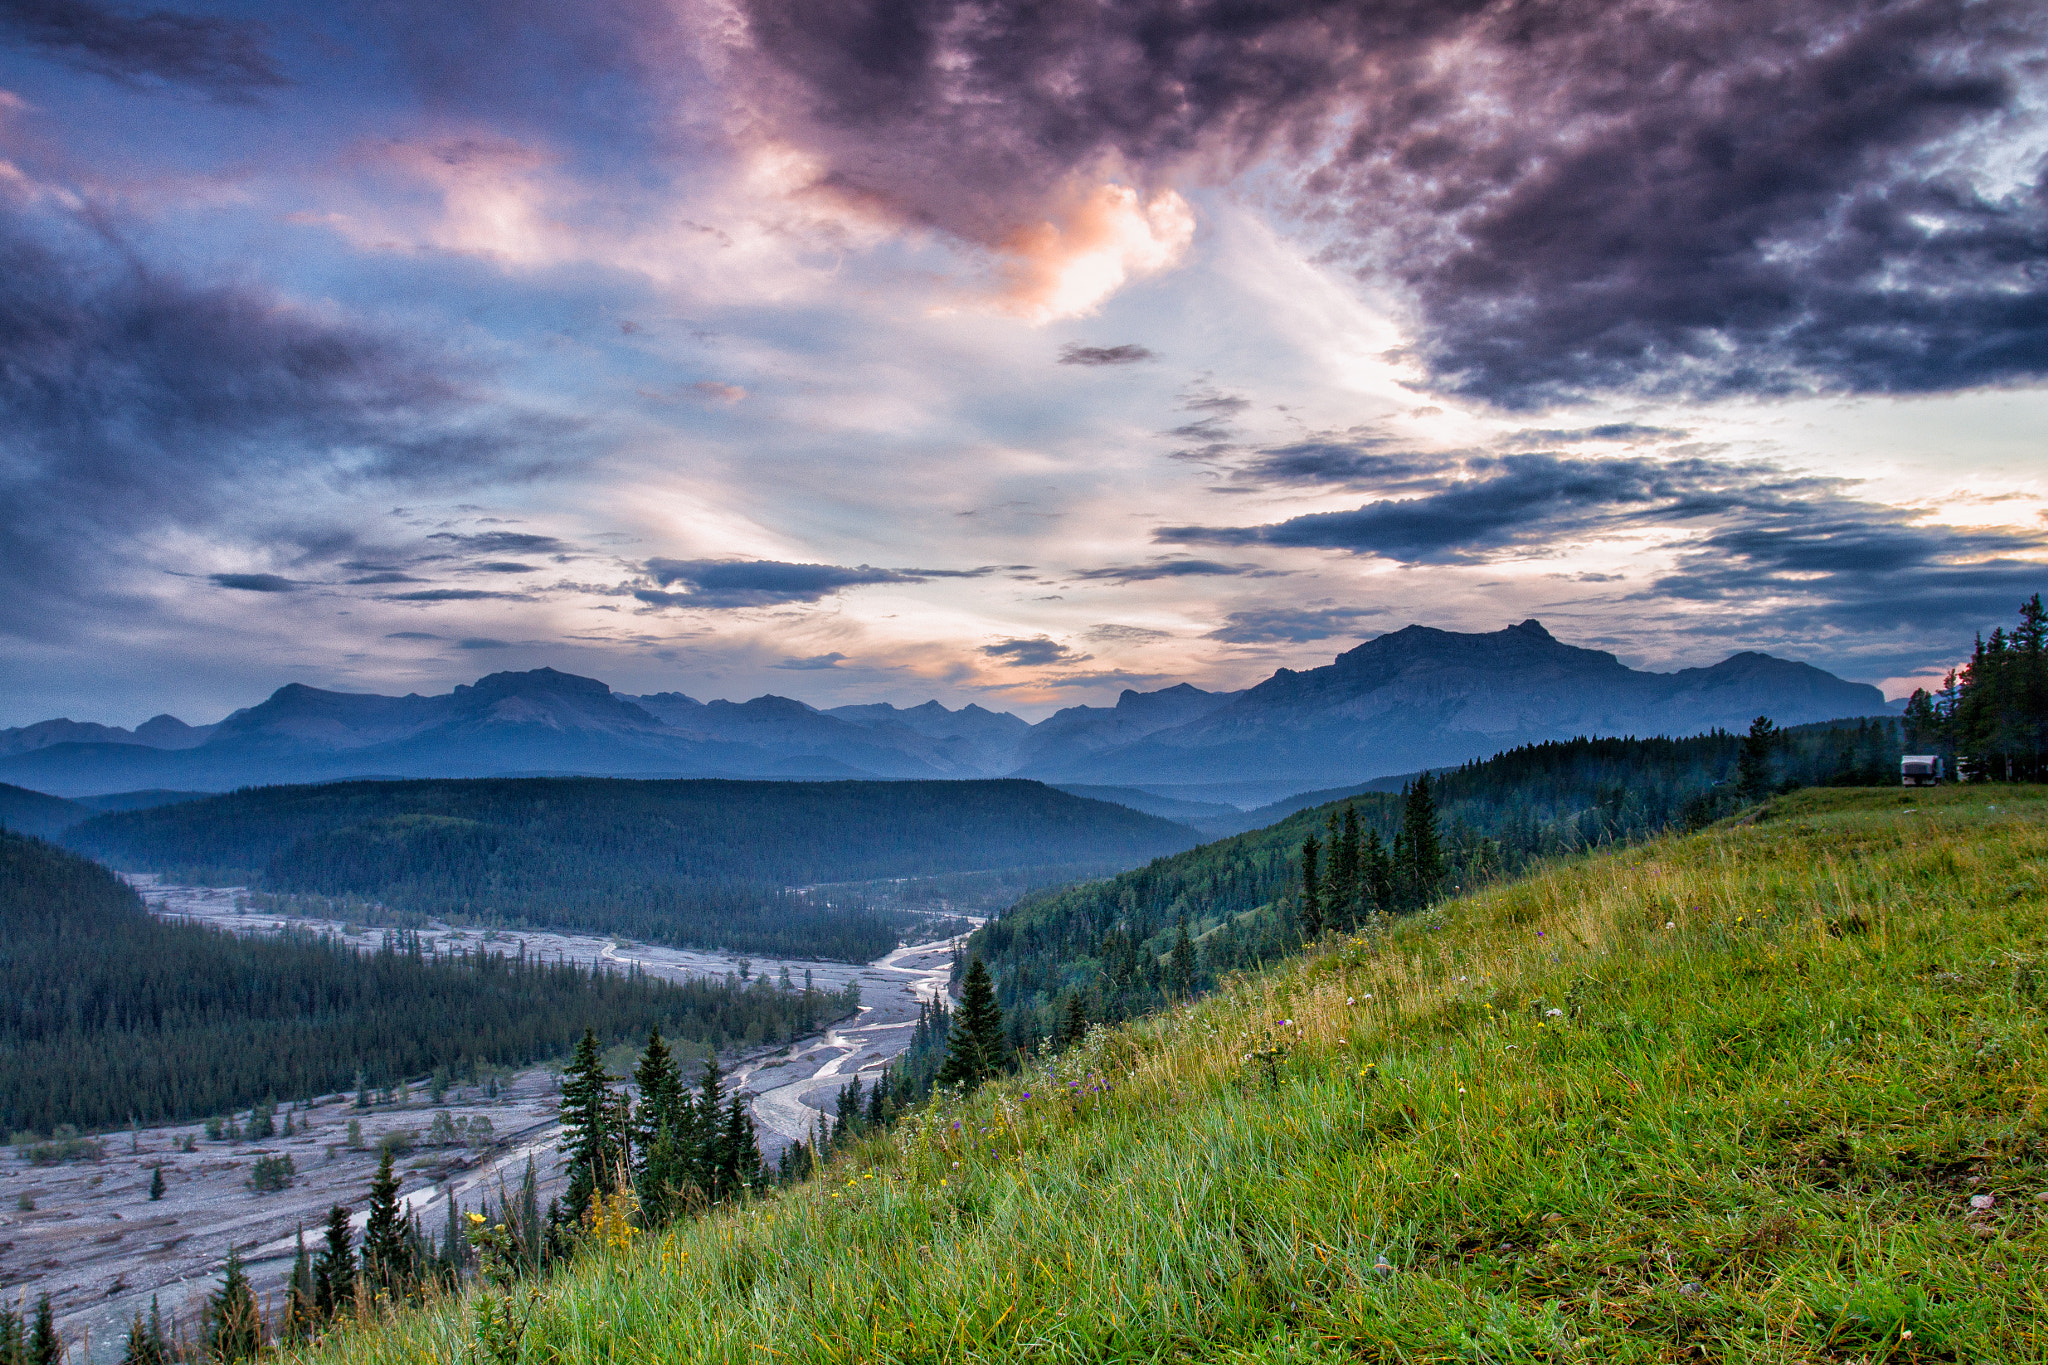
x,y
108,1014
1120,947
1992,714
682,862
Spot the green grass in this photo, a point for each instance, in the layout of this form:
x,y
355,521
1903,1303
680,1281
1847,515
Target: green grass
x,y
1720,1097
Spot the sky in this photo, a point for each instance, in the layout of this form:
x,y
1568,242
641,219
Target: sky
x,y
1004,353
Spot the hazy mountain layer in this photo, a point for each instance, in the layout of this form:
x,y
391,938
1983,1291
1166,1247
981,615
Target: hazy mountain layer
x,y
1413,699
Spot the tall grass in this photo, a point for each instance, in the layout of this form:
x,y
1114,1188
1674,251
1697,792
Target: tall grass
x,y
1727,1096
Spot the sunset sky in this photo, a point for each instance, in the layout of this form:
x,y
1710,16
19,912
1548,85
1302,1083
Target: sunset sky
x,y
1005,353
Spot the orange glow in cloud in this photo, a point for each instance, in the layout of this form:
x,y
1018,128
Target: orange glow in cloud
x,y
1066,269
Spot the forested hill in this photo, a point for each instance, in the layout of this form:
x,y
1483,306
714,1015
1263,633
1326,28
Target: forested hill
x,y
693,862
1112,941
107,1013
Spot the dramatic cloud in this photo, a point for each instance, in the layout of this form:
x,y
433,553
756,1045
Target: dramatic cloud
x,y
1517,504
502,566
456,595
1731,196
219,57
1074,353
1292,625
132,400
1036,653
722,584
811,663
1179,568
253,582
500,542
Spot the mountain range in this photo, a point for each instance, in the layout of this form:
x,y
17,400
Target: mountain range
x,y
1415,698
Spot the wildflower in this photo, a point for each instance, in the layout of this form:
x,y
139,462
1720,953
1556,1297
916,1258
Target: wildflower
x,y
1668,924
1553,1014
1349,1001
1461,1090
1539,933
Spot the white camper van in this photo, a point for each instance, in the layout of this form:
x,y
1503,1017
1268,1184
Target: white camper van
x,y
1920,770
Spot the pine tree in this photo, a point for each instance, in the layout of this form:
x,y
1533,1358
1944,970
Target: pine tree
x,y
387,1258
1340,887
1074,1027
1311,907
1182,967
156,1183
974,1052
334,1269
740,1150
704,1135
146,1344
661,1097
1376,875
300,1317
1753,767
234,1325
45,1347
590,1136
1420,845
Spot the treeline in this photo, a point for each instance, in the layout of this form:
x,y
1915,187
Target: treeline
x,y
108,1014
703,863
1113,949
1990,718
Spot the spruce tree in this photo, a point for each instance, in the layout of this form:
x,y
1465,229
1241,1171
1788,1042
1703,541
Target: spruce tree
x,y
234,1324
705,1134
661,1097
1182,967
300,1316
1311,907
387,1259
974,1052
1375,875
1340,887
1074,1027
45,1347
146,1343
334,1269
1753,767
156,1183
590,1138
1421,844
740,1151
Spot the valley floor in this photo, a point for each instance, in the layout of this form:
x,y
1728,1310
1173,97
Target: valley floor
x,y
102,1250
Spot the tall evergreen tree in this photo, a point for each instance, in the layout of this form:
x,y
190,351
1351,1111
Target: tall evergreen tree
x,y
147,1343
1074,1024
234,1324
45,1347
1340,887
1311,907
974,1052
705,1134
1183,969
334,1269
591,1139
661,1096
740,1150
300,1316
1420,844
387,1249
156,1183
1376,875
1753,768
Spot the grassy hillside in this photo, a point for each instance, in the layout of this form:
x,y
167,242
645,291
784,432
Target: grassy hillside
x,y
1772,1092
691,862
1499,815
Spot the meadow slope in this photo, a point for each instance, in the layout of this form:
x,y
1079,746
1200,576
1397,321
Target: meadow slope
x,y
1772,1092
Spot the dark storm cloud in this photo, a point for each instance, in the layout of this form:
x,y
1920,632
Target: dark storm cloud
x,y
1864,568
223,58
132,399
1519,504
1074,353
1346,460
1292,625
499,542
1179,568
455,595
1759,196
1035,653
253,582
722,584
